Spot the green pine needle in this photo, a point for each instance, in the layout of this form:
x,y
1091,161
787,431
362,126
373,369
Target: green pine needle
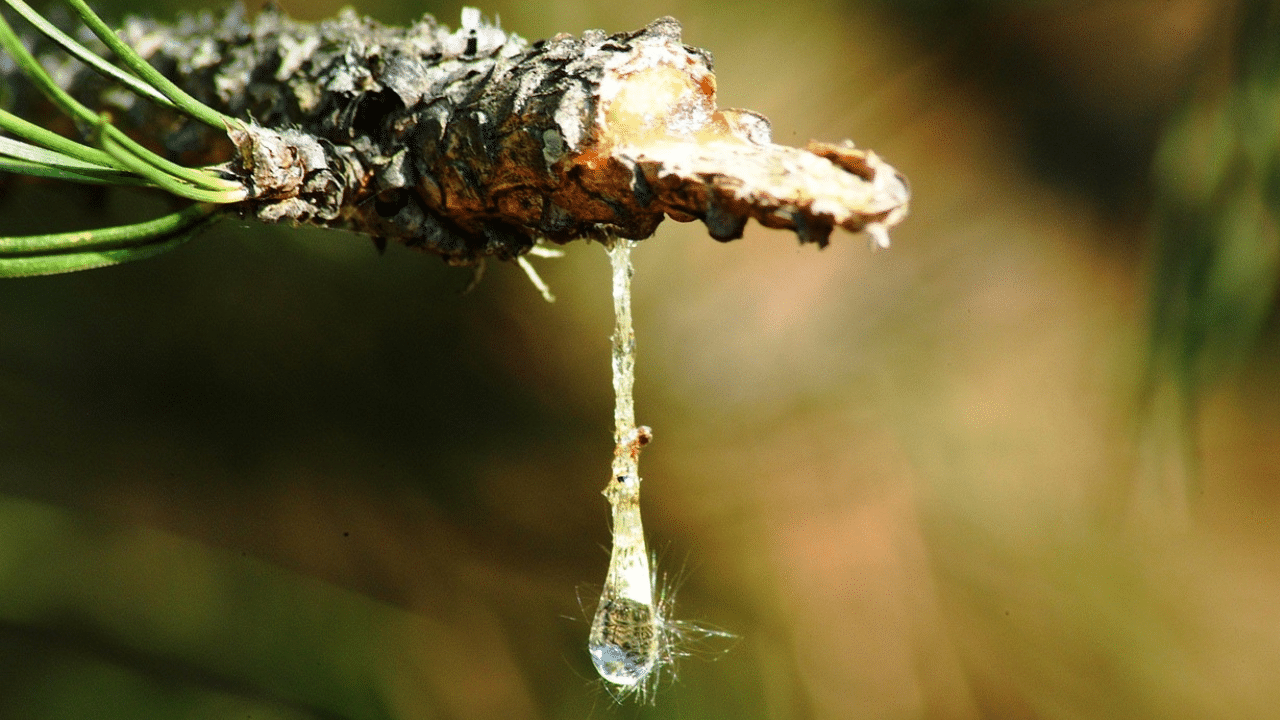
x,y
86,55
54,172
147,164
110,134
49,139
32,153
83,250
117,159
143,69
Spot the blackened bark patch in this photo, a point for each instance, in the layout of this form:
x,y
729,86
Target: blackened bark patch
x,y
373,111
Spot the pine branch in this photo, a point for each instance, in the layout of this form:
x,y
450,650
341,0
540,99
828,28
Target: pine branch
x,y
474,142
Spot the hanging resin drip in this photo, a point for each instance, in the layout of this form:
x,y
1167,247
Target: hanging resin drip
x,y
627,632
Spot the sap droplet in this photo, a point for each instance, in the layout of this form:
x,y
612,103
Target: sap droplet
x,y
624,640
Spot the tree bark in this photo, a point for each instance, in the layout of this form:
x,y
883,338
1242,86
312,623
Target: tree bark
x,y
474,142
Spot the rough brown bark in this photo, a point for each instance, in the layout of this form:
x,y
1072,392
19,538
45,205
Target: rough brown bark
x,y
474,142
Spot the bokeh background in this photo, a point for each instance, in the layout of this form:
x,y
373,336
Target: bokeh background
x,y
1022,465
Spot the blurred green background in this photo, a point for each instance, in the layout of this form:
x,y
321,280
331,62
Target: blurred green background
x,y
1022,465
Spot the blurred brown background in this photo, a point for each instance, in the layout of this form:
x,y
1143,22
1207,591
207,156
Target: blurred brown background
x,y
1022,465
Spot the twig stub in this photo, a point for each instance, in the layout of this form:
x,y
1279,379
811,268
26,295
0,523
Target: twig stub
x,y
473,142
